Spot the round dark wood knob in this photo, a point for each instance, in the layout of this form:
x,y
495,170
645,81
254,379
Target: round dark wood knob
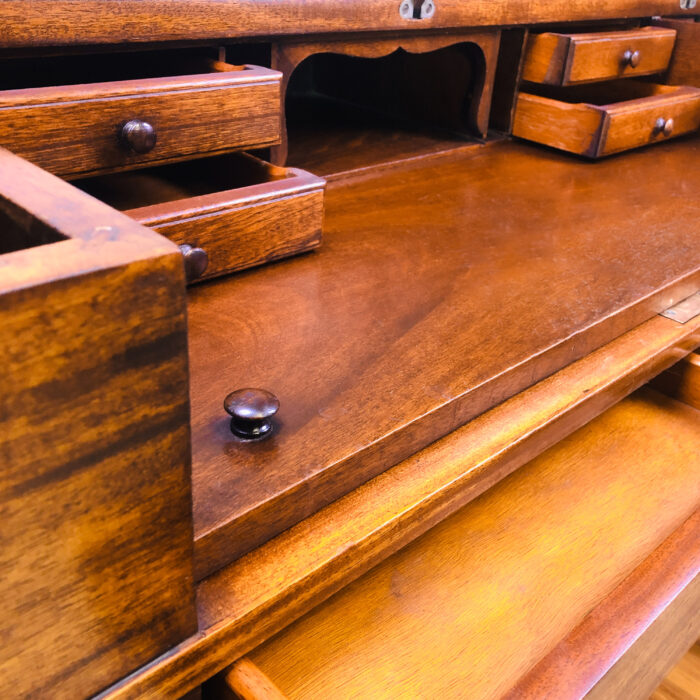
x,y
138,136
251,412
631,58
196,261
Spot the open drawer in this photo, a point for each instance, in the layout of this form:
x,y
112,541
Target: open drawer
x,y
554,58
154,108
597,120
541,558
227,213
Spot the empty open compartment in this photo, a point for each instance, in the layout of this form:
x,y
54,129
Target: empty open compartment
x,y
239,210
16,234
346,112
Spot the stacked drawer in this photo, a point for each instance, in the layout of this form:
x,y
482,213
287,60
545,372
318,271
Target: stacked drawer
x,y
125,141
579,97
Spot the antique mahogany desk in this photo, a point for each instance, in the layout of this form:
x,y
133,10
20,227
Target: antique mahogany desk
x,y
456,243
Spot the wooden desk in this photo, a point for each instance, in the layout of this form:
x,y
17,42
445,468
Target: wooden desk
x,y
462,331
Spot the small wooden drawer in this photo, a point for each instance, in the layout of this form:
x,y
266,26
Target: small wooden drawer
x,y
74,130
569,59
239,210
598,120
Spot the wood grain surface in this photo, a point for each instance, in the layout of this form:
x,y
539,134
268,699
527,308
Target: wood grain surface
x,y
684,68
96,541
420,312
526,561
683,681
74,129
48,23
623,647
252,599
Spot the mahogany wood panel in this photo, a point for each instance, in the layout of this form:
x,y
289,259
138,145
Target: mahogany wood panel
x,y
252,599
263,212
622,648
96,540
287,56
606,127
74,129
48,23
526,561
682,381
568,59
684,68
419,313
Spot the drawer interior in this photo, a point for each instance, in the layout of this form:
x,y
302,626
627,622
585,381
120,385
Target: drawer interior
x,y
178,181
603,94
37,72
348,112
15,235
526,561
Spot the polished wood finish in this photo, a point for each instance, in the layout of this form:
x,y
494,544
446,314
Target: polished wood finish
x,y
250,600
138,21
75,129
684,68
240,210
569,59
384,340
623,647
682,381
430,90
97,526
526,561
609,118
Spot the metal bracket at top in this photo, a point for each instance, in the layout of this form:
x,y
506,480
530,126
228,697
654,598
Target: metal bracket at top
x,y
417,9
685,310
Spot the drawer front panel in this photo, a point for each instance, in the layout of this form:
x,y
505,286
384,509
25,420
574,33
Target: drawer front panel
x,y
570,59
73,131
618,54
244,226
639,123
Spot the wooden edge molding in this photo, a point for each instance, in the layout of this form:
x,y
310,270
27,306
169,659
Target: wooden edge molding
x,y
257,596
132,21
586,655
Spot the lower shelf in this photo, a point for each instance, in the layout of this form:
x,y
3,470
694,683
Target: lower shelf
x,y
484,596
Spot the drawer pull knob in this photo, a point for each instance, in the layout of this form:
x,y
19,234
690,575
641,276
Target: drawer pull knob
x,y
251,412
631,58
138,136
196,261
664,126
